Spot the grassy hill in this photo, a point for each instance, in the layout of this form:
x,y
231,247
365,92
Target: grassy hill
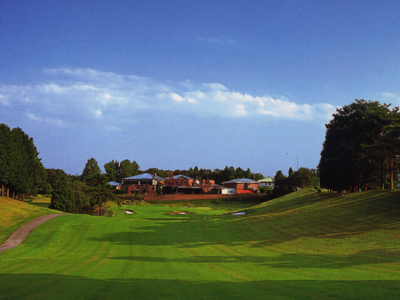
x,y
305,245
14,214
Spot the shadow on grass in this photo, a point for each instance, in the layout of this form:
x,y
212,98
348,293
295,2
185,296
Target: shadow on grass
x,y
53,286
290,261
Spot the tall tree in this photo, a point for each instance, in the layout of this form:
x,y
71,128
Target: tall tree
x,y
53,175
280,185
393,134
91,169
100,192
5,157
21,169
112,169
356,153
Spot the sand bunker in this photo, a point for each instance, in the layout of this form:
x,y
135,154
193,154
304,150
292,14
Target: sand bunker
x,y
239,213
179,212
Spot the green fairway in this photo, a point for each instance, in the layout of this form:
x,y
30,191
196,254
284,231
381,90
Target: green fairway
x,y
302,246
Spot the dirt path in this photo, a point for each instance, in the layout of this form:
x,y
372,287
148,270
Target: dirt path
x,y
20,234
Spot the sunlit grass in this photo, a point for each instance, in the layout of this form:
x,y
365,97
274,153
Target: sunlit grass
x,y
14,214
305,245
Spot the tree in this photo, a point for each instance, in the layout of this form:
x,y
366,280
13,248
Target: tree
x,y
393,134
80,197
128,169
279,176
112,169
100,193
5,156
239,173
91,169
53,175
61,197
281,184
301,178
359,148
21,169
290,173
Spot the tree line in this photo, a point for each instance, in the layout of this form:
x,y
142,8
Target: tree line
x,y
300,179
361,148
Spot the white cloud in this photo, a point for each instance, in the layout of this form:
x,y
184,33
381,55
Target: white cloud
x,y
51,121
78,94
176,97
392,96
4,101
214,86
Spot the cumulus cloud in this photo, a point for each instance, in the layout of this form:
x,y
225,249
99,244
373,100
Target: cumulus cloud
x,y
75,94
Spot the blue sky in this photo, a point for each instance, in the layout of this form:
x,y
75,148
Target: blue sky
x,y
179,84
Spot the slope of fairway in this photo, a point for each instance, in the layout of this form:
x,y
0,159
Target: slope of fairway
x,y
302,246
14,214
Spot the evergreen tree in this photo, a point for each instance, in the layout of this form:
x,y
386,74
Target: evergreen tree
x,y
53,175
91,169
99,192
281,184
112,169
5,157
80,196
239,173
61,197
21,169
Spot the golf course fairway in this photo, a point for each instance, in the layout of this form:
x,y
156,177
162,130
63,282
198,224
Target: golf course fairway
x,y
306,245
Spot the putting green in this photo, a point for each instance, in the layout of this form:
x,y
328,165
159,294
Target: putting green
x,y
303,246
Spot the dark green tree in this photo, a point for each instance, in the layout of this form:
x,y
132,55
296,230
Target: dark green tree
x,y
91,169
357,151
100,192
21,169
112,169
61,197
5,157
301,178
128,169
53,175
239,173
80,196
280,185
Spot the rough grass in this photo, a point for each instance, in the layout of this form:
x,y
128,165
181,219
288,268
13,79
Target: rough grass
x,y
14,214
39,200
302,246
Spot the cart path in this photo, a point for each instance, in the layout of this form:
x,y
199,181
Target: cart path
x,y
21,234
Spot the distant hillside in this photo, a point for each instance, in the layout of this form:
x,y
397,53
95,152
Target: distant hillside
x,y
14,214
